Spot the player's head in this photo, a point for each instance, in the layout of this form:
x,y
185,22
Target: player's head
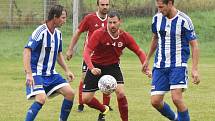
x,y
164,6
58,14
113,21
103,6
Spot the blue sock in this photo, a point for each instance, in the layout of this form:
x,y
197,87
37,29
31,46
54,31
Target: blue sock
x,y
65,109
167,112
33,110
183,116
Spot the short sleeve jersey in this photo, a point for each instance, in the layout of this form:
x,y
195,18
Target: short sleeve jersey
x,y
92,22
45,47
173,40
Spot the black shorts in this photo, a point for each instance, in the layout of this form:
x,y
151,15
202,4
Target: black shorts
x,y
84,67
91,81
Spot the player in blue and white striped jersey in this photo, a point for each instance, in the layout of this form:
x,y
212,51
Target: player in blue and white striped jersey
x,y
173,33
42,51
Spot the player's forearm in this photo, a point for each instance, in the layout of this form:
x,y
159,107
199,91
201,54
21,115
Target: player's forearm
x,y
141,55
62,62
195,55
74,40
152,48
87,58
27,60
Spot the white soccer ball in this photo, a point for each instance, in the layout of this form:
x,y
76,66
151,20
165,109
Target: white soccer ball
x,y
107,84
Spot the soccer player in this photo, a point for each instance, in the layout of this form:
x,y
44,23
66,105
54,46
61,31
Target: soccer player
x,y
89,24
101,55
173,32
42,51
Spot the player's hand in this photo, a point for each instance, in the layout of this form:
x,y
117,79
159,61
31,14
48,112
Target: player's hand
x,y
69,54
146,70
29,79
96,71
195,76
70,76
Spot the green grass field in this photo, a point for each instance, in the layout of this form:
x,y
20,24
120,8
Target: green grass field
x,y
200,99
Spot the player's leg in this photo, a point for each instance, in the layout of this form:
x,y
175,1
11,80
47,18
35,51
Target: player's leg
x,y
106,100
38,93
160,85
81,104
89,89
179,79
67,104
59,85
122,102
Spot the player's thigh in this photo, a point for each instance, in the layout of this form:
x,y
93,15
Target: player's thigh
x,y
160,81
90,82
178,77
67,91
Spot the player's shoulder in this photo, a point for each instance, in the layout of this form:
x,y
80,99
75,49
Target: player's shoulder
x,y
40,29
90,15
183,16
158,14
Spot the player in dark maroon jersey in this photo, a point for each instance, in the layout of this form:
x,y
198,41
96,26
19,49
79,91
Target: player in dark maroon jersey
x,y
101,55
89,24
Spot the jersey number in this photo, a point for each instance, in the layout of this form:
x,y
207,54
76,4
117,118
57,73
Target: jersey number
x,y
119,44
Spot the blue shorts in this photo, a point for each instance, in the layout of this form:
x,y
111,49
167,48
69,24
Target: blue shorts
x,y
165,79
45,84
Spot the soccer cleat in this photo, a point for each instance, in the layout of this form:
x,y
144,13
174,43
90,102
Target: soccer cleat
x,y
101,116
80,108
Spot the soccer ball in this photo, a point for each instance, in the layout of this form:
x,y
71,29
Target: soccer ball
x,y
107,84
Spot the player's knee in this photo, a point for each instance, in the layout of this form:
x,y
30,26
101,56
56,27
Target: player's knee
x,y
70,95
120,94
41,99
156,103
177,101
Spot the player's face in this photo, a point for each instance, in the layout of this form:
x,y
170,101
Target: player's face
x,y
103,6
113,24
61,20
163,8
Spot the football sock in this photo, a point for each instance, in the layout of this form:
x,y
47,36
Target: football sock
x,y
33,110
65,109
106,99
183,116
94,103
80,92
123,108
167,112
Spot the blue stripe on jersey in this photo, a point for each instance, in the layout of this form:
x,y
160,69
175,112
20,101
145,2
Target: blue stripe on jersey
x,y
154,25
173,42
55,52
60,46
35,37
163,34
185,45
36,55
47,53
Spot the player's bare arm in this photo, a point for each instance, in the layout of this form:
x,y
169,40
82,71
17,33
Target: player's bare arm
x,y
27,67
152,49
62,63
72,44
195,60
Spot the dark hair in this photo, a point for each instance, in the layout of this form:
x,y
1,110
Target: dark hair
x,y
98,2
56,11
112,14
166,1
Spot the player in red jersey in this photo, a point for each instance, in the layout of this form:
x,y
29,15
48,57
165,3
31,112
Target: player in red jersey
x,y
101,55
89,24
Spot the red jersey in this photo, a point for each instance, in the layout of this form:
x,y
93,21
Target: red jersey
x,y
90,23
107,49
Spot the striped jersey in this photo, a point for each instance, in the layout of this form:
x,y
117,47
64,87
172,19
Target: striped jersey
x,y
45,47
173,40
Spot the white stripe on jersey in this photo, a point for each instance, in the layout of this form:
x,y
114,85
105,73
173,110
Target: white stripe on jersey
x,y
159,20
178,44
167,43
